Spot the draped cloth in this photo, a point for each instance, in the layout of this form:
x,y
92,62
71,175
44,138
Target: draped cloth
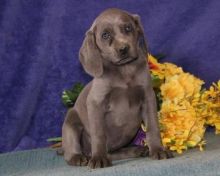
x,y
39,44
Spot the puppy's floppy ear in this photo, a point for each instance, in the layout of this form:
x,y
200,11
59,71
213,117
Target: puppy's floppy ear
x,y
89,56
141,39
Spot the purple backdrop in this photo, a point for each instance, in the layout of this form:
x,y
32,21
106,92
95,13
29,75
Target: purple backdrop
x,y
39,43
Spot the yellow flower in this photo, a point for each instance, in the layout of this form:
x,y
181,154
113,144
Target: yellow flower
x,y
191,143
180,86
179,147
185,108
211,99
155,67
166,140
201,144
163,70
190,84
171,70
172,89
152,61
183,125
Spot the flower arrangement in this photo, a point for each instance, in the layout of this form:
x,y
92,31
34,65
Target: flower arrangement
x,y
211,99
185,108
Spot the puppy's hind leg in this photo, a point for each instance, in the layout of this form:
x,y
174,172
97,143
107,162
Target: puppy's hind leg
x,y
129,152
71,134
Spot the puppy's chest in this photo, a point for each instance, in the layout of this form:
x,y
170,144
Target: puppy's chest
x,y
123,109
124,98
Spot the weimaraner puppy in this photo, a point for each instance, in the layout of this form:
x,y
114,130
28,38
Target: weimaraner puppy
x,y
110,109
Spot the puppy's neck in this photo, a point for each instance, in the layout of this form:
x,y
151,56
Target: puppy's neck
x,y
127,72
133,68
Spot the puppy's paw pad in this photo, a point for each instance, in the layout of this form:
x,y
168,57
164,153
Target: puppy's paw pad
x,y
99,162
78,160
161,154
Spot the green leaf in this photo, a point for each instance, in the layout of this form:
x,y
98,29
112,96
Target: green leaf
x,y
156,81
70,96
56,139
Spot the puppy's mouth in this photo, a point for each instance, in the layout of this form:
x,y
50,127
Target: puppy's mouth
x,y
126,61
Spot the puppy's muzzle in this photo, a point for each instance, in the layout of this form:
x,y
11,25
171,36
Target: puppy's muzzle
x,y
126,61
123,51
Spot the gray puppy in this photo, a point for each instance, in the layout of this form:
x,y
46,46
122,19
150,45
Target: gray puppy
x,y
110,109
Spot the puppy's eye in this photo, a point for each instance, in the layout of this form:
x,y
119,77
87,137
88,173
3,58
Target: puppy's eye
x,y
128,28
106,35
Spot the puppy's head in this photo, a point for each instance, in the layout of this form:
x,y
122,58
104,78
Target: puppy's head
x,y
116,37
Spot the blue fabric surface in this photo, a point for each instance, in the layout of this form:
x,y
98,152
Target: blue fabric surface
x,y
39,43
45,162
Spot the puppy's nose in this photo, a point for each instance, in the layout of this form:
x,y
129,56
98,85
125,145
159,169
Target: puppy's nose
x,y
124,50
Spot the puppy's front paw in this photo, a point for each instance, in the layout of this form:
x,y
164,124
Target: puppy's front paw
x,y
78,160
99,162
143,151
160,153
